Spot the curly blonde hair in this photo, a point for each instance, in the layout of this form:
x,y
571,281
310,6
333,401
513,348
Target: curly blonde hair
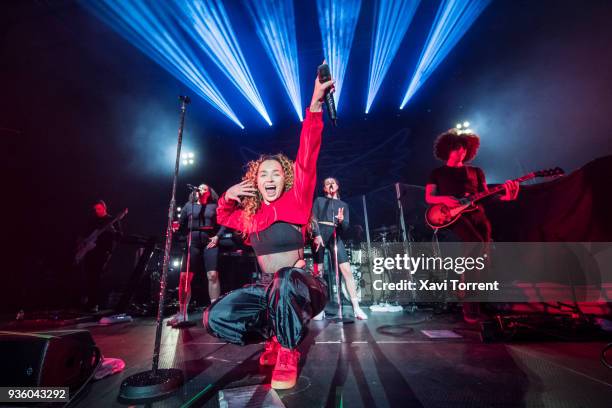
x,y
251,205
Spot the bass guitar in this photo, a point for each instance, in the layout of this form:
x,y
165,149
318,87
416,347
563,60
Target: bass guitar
x,y
89,243
441,216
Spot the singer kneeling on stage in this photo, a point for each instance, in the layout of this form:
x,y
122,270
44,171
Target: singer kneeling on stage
x,y
272,207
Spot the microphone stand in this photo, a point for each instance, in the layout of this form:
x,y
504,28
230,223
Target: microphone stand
x,y
340,319
185,323
158,382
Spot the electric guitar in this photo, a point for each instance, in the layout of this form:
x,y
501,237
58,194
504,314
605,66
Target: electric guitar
x,y
441,216
89,243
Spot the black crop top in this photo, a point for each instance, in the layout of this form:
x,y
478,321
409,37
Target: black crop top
x,y
278,237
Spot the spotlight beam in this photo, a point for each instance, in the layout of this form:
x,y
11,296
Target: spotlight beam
x,y
209,25
147,27
453,19
391,21
275,26
337,22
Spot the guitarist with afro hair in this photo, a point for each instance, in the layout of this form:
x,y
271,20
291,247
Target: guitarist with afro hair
x,y
456,179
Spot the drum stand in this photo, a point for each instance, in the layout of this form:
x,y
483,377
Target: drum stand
x,y
408,240
385,305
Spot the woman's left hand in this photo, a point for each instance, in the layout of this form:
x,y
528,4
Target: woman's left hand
x,y
512,190
340,216
214,241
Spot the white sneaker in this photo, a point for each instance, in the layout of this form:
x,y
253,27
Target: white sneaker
x,y
359,314
377,308
320,316
394,308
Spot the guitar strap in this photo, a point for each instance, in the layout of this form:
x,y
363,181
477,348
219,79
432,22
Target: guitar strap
x,y
472,176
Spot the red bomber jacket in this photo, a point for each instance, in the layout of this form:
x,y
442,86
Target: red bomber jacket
x,y
295,205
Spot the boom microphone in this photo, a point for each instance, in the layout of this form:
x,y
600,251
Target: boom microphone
x,y
324,76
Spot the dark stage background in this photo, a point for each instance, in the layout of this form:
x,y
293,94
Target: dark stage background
x,y
85,115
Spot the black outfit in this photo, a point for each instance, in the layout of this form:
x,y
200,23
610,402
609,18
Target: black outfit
x,y
282,308
279,305
203,227
458,182
472,226
278,237
96,261
326,209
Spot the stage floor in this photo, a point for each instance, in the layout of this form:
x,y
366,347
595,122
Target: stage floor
x,y
384,362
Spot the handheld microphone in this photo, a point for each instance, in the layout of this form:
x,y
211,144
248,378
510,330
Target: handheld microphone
x,y
192,187
324,75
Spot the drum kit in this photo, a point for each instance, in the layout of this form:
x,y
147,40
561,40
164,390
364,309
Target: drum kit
x,y
359,258
386,233
387,240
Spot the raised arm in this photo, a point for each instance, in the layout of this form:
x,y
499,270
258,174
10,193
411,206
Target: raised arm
x,y
305,174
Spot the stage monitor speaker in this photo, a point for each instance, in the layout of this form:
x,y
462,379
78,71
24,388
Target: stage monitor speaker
x,y
59,358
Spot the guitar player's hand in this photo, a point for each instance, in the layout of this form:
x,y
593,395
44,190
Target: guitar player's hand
x,y
450,201
512,190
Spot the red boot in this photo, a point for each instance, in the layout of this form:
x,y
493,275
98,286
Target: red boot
x,y
285,372
270,354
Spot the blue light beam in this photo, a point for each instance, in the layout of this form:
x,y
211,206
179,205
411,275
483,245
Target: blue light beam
x,y
209,25
146,27
391,21
453,19
275,26
337,21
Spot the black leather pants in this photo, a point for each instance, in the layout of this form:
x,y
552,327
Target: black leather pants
x,y
282,308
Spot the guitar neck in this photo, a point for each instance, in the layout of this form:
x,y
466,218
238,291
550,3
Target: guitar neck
x,y
106,227
110,224
499,188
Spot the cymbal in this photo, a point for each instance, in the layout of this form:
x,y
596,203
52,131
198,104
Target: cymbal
x,y
384,229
